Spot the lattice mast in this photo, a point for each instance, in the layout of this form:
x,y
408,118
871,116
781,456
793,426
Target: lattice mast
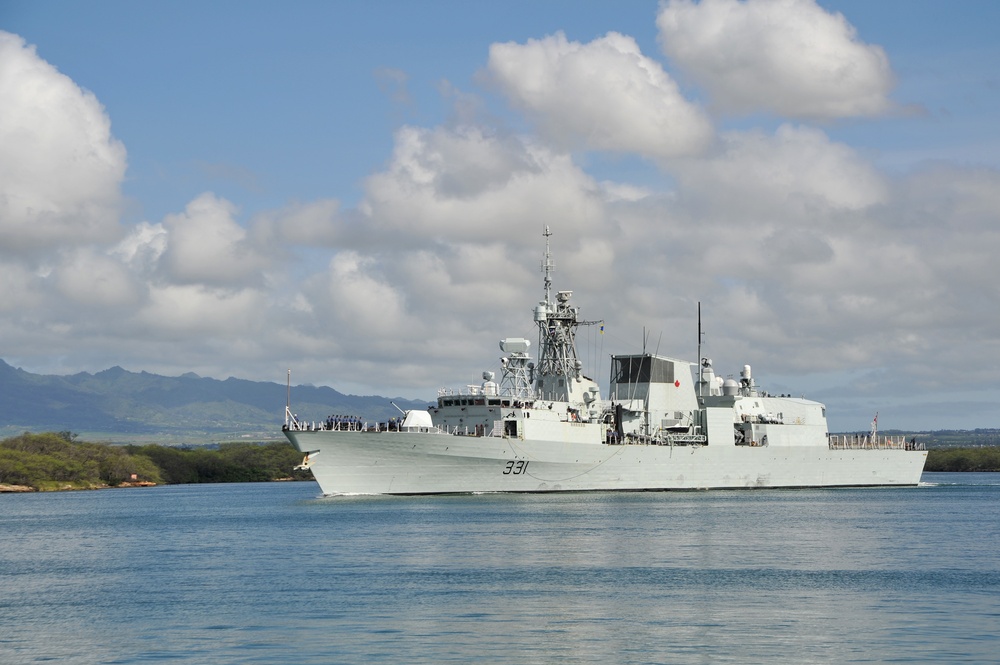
x,y
557,323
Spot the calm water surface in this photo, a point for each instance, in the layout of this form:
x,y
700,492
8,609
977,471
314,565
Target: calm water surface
x,y
268,573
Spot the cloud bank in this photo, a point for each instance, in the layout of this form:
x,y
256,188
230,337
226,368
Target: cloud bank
x,y
808,259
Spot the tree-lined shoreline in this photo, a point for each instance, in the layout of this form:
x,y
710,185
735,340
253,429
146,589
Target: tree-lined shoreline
x,y
53,461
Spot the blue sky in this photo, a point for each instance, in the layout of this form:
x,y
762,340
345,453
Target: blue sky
x,y
254,171
292,101
267,102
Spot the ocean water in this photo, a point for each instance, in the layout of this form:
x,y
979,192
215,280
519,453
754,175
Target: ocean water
x,y
269,573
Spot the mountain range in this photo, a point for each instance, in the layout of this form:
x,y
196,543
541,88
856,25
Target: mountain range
x,y
123,406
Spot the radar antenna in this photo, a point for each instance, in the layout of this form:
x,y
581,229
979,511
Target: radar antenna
x,y
547,266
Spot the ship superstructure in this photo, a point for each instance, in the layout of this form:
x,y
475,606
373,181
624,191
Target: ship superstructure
x,y
665,424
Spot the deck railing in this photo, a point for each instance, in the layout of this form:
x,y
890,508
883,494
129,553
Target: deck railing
x,y
302,426
456,430
869,442
658,439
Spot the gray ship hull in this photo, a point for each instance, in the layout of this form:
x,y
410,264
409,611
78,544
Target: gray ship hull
x,y
432,462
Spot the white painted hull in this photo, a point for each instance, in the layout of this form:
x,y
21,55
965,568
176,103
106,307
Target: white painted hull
x,y
436,463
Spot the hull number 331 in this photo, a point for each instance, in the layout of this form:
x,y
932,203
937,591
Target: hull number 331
x,y
515,467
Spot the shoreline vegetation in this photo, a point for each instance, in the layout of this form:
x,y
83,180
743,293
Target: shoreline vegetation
x,y
54,461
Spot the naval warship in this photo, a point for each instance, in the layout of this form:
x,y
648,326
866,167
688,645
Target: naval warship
x,y
666,424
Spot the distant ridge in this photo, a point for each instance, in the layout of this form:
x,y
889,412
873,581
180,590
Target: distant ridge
x,y
118,405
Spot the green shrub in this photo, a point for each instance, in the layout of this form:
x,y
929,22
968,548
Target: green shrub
x,y
963,459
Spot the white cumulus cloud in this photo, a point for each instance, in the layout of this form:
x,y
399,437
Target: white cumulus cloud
x,y
470,183
60,167
605,95
206,245
791,172
179,311
790,57
91,278
313,223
